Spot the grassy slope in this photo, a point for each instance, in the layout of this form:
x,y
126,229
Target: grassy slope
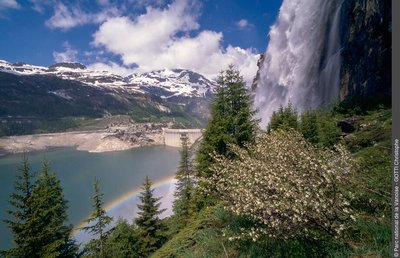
x,y
370,235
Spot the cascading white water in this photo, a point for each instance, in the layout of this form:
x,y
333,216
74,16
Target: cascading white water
x,y
302,60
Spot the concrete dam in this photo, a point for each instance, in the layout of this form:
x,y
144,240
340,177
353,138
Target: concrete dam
x,y
173,137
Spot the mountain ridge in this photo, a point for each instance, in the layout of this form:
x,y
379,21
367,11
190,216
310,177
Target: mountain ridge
x,y
164,83
32,95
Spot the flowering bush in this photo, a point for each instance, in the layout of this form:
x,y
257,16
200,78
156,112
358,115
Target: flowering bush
x,y
287,186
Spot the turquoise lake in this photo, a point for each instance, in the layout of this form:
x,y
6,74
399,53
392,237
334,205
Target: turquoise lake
x,y
120,173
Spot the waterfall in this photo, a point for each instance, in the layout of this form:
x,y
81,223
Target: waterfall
x,y
302,60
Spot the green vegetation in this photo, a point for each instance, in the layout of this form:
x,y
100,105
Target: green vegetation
x,y
284,118
149,225
185,184
314,185
180,117
218,232
124,240
97,223
33,126
39,216
231,122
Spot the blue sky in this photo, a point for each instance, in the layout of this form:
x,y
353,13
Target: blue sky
x,y
137,35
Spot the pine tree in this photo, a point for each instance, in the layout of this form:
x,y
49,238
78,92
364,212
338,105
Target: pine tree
x,y
98,221
285,118
124,240
49,214
150,226
309,126
231,120
22,225
184,186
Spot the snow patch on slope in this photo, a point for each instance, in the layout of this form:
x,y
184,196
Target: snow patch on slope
x,y
163,83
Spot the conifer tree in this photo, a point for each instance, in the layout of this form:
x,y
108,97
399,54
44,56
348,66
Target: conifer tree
x,y
51,236
39,229
309,126
184,186
98,221
22,224
150,226
231,120
124,241
284,119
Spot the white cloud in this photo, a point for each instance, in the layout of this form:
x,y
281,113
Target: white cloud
x,y
69,55
161,38
9,4
243,24
41,5
68,17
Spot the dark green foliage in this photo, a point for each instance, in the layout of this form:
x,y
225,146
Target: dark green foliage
x,y
329,133
231,120
31,126
284,118
373,238
149,225
22,225
50,214
124,241
200,238
360,105
98,222
184,186
39,229
320,127
309,127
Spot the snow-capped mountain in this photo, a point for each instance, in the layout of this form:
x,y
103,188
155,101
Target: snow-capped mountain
x,y
162,83
171,83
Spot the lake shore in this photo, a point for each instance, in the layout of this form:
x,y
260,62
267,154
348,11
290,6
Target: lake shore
x,y
103,140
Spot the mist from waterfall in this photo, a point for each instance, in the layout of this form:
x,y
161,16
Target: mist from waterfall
x,y
302,60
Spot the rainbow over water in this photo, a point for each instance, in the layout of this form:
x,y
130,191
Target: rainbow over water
x,y
125,206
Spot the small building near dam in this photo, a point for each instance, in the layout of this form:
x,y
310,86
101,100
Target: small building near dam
x,y
173,137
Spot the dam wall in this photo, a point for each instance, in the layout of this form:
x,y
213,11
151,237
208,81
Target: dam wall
x,y
173,137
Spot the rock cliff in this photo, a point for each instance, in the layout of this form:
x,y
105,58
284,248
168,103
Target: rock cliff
x,y
366,48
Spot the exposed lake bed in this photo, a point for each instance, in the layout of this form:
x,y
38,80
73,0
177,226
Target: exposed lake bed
x,y
110,138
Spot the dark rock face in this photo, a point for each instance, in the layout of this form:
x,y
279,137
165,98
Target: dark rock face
x,y
347,126
68,65
257,77
366,48
365,39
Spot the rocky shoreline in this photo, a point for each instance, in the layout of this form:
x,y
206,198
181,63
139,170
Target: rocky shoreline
x,y
111,138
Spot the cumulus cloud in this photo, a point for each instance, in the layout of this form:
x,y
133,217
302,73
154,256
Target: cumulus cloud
x,y
69,55
163,38
67,17
243,24
9,4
